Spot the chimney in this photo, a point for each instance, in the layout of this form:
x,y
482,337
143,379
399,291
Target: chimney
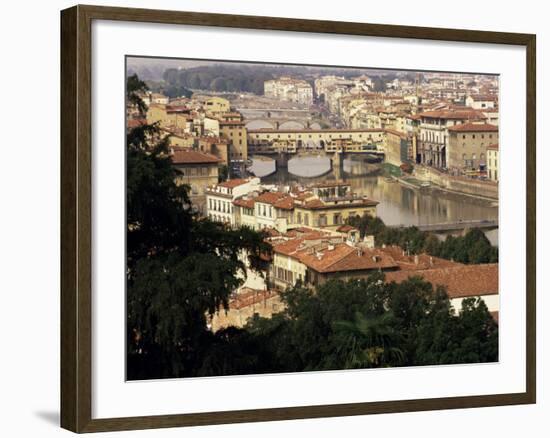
x,y
416,259
431,261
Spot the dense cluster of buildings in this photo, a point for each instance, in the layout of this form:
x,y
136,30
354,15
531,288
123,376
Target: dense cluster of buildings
x,y
313,243
444,122
313,256
425,113
246,202
289,89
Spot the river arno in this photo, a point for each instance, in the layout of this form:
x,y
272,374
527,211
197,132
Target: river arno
x,y
399,205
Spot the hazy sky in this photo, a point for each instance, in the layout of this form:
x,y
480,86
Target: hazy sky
x,y
156,66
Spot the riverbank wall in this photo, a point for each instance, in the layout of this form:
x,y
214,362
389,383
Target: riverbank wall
x,y
457,184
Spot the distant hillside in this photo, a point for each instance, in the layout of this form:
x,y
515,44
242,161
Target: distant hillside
x,y
176,77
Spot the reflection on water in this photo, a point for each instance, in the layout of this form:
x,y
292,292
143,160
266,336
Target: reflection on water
x,y
262,168
399,205
310,166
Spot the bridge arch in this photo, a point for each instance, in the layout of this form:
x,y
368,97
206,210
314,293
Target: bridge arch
x,y
291,124
260,124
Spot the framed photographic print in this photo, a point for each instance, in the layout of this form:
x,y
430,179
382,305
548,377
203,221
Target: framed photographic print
x,y
269,218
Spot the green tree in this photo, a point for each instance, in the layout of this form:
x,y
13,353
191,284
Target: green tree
x,y
135,86
179,268
369,342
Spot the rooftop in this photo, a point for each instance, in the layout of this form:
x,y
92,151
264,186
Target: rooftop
x,y
463,114
474,127
232,183
460,281
342,257
181,156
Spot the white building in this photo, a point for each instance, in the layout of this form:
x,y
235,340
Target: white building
x,y
492,162
289,89
219,198
481,102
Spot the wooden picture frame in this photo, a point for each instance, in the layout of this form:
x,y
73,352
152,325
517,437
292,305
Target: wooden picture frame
x,y
76,217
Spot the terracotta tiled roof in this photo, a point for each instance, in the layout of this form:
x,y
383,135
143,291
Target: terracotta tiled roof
x,y
292,246
302,196
418,262
474,127
460,281
241,202
277,199
466,114
314,203
192,157
288,247
286,203
493,147
346,258
232,183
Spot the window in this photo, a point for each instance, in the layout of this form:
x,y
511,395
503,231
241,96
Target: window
x,y
337,219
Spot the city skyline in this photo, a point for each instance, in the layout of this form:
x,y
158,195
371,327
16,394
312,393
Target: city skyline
x,y
310,218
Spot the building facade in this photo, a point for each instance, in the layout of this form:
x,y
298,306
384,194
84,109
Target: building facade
x,y
432,146
197,170
289,89
492,162
468,144
220,197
